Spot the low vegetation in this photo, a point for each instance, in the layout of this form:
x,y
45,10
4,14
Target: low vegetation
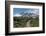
x,y
22,21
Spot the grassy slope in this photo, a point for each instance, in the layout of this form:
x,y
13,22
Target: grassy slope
x,y
21,22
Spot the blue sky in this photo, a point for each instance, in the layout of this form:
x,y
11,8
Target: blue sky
x,y
25,10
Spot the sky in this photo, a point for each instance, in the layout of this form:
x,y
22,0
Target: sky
x,y
17,11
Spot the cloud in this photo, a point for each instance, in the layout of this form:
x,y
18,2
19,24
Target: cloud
x,y
17,15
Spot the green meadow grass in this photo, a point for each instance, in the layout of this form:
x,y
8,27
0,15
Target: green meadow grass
x,y
22,22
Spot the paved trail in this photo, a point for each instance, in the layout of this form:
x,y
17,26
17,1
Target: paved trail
x,y
28,23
